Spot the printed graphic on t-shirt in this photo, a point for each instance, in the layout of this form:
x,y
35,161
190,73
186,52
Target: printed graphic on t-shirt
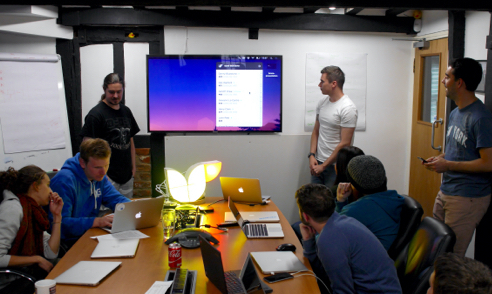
x,y
120,132
458,135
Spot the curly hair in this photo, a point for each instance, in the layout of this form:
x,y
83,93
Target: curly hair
x,y
461,275
19,181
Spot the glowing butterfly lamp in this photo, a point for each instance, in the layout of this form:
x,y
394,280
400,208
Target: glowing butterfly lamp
x,y
190,188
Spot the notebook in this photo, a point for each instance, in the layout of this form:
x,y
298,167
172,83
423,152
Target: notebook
x,y
115,248
87,273
230,282
242,190
137,214
278,262
256,230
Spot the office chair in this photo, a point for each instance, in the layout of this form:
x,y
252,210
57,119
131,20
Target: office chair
x,y
23,284
415,263
410,216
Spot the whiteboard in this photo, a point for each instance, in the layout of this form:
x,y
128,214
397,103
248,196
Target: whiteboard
x,y
33,113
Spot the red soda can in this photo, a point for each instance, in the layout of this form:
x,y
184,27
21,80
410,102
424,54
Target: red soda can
x,y
174,253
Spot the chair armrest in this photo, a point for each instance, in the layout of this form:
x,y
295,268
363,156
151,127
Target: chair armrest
x,y
14,271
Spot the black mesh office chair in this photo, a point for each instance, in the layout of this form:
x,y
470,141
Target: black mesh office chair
x,y
410,216
415,263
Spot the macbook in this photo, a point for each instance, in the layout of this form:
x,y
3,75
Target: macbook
x,y
230,282
137,214
278,262
87,273
115,248
256,230
242,190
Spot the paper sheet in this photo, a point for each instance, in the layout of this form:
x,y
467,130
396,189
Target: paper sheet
x,y
159,287
134,234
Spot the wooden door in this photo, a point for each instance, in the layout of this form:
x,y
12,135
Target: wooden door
x,y
429,100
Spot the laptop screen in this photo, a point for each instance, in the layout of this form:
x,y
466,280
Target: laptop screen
x,y
250,278
235,212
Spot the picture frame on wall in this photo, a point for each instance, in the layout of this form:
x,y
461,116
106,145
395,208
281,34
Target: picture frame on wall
x,y
481,86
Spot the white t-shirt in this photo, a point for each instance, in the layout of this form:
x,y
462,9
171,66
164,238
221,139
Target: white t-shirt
x,y
333,116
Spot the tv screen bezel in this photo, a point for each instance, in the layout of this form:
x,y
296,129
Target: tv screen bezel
x,y
219,56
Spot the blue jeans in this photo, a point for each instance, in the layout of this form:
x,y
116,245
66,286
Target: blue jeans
x,y
327,177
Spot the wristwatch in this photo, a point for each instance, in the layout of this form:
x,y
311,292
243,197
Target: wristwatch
x,y
311,154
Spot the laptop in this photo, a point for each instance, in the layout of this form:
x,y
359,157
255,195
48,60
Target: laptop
x,y
278,262
87,273
242,190
256,230
137,214
230,282
115,248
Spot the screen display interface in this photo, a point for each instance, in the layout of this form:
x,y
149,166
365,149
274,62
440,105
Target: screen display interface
x,y
198,93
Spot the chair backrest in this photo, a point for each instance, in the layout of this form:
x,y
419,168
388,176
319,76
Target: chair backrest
x,y
415,263
410,216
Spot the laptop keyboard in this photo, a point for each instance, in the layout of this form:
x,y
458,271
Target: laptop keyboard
x,y
233,283
256,230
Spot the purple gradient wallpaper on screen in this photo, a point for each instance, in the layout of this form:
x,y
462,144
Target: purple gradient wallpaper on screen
x,y
182,93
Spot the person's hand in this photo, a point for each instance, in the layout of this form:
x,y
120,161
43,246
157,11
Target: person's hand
x,y
318,169
307,232
437,164
312,164
44,264
56,204
105,221
344,191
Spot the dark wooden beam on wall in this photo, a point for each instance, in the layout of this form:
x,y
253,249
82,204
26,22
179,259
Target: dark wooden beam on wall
x,y
456,43
194,18
456,40
119,62
353,11
70,58
394,12
157,160
415,4
482,236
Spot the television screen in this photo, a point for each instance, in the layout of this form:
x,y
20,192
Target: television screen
x,y
214,93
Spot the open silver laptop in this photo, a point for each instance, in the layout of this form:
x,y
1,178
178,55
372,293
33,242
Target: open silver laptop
x,y
87,273
242,190
256,230
115,248
278,262
138,214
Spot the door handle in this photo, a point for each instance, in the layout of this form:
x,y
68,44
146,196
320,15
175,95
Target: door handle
x,y
439,121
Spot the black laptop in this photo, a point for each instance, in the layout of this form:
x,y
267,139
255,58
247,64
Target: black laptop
x,y
244,281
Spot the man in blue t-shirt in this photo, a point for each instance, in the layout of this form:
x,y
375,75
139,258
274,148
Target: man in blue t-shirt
x,y
467,164
353,258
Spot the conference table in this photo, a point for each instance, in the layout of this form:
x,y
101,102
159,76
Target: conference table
x,y
150,264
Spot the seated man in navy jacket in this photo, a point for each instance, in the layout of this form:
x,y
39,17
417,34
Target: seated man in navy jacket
x,y
376,207
83,186
353,258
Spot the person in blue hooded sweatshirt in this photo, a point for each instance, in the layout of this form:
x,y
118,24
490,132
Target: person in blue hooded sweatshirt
x,y
376,207
83,186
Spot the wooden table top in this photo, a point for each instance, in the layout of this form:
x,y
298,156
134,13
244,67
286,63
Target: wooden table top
x,y
150,264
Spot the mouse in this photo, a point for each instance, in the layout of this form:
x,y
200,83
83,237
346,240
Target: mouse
x,y
286,247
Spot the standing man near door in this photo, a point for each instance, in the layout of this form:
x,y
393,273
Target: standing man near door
x,y
464,195
336,119
114,122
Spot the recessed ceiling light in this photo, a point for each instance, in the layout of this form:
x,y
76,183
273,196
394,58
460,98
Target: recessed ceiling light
x,y
332,8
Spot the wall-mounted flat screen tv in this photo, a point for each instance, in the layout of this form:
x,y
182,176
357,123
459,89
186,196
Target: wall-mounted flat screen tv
x,y
214,93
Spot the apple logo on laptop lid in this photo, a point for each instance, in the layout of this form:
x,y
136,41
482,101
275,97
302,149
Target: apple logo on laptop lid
x,y
138,215
241,190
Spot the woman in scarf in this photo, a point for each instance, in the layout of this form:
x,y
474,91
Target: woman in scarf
x,y
24,241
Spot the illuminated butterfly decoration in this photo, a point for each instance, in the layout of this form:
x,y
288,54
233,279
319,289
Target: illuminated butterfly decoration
x,y
191,186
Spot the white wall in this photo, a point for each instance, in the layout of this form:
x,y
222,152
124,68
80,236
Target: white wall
x,y
283,168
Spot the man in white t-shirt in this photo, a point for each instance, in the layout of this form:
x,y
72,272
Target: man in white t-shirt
x,y
336,119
